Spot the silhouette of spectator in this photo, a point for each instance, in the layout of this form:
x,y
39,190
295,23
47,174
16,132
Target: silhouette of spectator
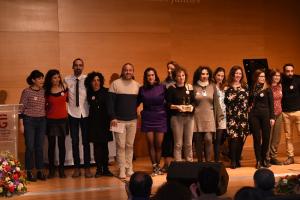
x,y
173,190
264,182
248,193
139,186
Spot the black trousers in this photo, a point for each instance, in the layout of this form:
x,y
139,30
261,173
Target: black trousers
x,y
101,155
235,149
260,126
218,141
61,149
167,145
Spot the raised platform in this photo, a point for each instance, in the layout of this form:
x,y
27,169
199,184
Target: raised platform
x,y
113,188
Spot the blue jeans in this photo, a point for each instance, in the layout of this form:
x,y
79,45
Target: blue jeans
x,y
74,130
34,133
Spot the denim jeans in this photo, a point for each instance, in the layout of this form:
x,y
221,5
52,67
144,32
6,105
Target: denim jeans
x,y
74,130
34,133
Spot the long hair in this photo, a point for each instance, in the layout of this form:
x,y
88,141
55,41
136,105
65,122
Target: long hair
x,y
231,75
123,67
272,73
223,84
175,64
33,75
198,72
89,79
146,82
48,78
256,75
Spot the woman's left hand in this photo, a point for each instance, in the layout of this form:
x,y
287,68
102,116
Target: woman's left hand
x,y
272,122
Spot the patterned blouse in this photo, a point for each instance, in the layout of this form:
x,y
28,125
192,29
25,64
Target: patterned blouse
x,y
236,101
277,95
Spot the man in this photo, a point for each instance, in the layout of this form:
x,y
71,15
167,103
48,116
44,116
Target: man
x,y
78,113
290,107
139,186
122,110
264,182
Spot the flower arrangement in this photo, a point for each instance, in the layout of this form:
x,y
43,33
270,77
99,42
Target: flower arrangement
x,y
288,184
12,178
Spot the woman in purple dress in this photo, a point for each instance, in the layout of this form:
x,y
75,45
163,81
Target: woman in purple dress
x,y
154,115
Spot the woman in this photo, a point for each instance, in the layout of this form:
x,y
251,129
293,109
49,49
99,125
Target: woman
x,y
98,121
220,81
206,101
236,101
180,99
34,121
276,129
261,117
168,141
154,115
57,119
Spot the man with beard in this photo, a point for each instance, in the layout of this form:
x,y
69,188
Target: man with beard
x,y
78,112
290,107
122,110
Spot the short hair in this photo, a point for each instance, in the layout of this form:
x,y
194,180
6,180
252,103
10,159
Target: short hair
x,y
146,82
140,184
173,190
247,193
198,72
76,60
177,70
264,179
34,75
208,180
272,72
287,65
90,77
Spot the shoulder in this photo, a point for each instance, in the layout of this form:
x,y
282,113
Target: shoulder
x,y
189,86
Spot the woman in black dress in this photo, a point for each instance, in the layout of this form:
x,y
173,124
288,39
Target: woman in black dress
x,y
98,121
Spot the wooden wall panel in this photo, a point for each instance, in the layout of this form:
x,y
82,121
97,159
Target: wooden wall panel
x,y
28,15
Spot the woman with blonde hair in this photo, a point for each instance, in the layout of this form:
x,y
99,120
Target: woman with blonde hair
x,y
261,117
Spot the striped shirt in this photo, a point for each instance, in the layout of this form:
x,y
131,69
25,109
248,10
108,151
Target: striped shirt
x,y
33,102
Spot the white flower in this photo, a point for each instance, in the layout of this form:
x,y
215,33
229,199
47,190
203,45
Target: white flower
x,y
18,169
4,163
20,187
1,168
12,162
7,179
284,181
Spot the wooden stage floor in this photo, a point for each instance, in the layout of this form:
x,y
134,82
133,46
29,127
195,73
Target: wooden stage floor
x,y
112,188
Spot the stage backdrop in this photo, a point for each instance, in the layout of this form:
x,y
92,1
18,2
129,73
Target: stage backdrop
x,y
49,34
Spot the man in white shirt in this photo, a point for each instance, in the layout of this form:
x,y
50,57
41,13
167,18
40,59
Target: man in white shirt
x,y
78,112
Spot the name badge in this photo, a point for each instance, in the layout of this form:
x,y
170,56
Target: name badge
x,y
62,94
291,87
35,98
187,92
261,95
93,97
204,93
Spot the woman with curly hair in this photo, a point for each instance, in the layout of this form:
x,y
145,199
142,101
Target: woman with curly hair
x,y
98,121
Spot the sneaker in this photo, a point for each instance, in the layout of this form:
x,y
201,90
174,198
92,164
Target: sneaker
x,y
275,161
289,161
122,174
41,176
76,173
129,172
30,177
87,173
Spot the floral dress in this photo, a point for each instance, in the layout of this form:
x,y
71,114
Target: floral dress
x,y
236,101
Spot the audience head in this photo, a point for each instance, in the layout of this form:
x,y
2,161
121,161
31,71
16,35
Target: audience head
x,y
35,78
52,78
203,74
150,77
247,193
77,67
140,185
94,81
208,180
264,179
127,71
288,70
174,191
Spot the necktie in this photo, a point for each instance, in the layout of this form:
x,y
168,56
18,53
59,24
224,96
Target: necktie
x,y
77,92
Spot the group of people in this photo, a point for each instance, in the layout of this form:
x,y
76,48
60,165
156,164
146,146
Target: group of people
x,y
175,115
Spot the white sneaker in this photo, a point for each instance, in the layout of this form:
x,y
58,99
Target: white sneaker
x,y
122,174
129,172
